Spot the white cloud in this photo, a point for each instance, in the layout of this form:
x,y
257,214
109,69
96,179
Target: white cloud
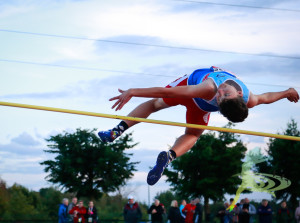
x,y
9,10
249,32
76,50
25,139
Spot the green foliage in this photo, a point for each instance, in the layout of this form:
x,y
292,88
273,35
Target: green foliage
x,y
21,203
4,198
50,198
86,166
111,207
18,203
284,161
207,169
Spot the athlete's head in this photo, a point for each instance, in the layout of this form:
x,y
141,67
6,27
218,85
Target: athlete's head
x,y
230,100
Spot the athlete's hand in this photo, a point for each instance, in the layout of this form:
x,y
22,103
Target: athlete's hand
x,y
122,99
293,95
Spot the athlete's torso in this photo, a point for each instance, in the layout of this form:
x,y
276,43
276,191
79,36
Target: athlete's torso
x,y
219,77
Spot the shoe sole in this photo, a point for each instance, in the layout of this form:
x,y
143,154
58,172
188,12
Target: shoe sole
x,y
154,175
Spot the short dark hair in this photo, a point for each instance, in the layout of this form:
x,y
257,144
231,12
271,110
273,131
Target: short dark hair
x,y
235,109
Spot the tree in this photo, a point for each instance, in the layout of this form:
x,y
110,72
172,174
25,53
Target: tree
x,y
284,156
21,203
50,199
207,169
4,198
86,166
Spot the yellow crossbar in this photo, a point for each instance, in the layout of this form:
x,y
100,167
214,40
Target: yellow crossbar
x,y
149,120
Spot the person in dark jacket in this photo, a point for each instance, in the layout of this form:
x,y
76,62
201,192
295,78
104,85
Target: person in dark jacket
x,y
156,212
284,215
198,211
221,212
247,211
132,211
70,207
264,212
91,213
231,215
62,211
174,215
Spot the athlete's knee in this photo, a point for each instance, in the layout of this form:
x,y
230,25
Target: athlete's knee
x,y
158,104
194,132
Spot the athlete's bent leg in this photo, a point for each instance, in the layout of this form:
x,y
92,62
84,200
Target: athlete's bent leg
x,y
141,111
185,142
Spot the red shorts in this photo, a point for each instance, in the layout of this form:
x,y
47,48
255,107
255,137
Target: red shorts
x,y
194,115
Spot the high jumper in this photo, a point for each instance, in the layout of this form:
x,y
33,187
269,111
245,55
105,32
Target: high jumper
x,y
204,91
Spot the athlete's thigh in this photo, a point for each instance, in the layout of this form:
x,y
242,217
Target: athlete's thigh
x,y
195,115
159,104
182,81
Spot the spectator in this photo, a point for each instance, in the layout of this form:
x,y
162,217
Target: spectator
x,y
62,211
231,216
265,212
197,218
78,212
156,210
132,212
91,213
164,212
247,213
284,215
70,207
174,215
182,205
240,205
221,212
189,209
297,214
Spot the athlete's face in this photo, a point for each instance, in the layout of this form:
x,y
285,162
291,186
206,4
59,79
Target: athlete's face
x,y
226,91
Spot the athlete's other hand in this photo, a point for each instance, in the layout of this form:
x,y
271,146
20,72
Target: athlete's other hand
x,y
293,95
122,99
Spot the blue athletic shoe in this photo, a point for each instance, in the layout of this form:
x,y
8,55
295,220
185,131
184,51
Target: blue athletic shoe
x,y
108,136
163,159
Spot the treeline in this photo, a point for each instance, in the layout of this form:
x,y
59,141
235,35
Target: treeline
x,y
19,203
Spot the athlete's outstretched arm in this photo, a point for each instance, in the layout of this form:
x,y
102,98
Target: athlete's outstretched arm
x,y
291,94
205,90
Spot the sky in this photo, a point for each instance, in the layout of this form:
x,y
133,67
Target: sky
x,y
73,67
